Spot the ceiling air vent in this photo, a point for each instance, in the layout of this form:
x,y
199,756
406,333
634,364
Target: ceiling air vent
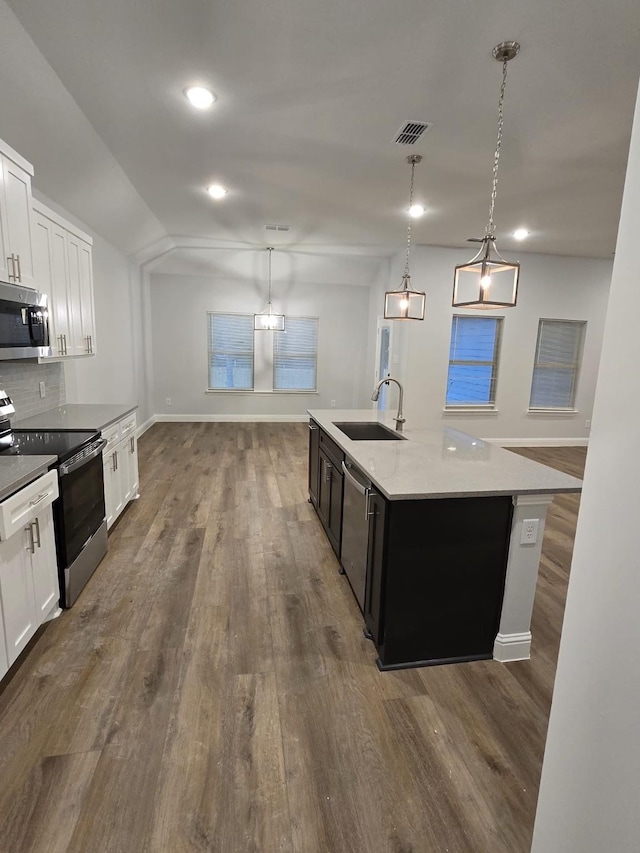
x,y
277,227
411,131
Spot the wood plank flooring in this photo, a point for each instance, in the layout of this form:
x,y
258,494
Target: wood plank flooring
x,y
211,690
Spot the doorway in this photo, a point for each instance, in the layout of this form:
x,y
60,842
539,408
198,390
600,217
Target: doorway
x,y
383,360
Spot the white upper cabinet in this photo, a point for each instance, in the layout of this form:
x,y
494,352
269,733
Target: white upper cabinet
x,y
16,261
64,270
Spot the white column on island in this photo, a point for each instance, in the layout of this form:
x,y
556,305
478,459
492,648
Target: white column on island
x,y
514,637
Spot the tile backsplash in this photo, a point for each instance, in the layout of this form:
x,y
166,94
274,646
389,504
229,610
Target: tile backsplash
x,y
21,380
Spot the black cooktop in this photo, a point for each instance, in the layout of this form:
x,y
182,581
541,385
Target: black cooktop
x,y
44,443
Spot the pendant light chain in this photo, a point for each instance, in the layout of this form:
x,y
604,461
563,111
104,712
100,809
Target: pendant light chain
x,y
494,189
269,249
413,170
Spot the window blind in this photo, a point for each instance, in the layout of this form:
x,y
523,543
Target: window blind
x,y
295,354
473,361
557,364
231,352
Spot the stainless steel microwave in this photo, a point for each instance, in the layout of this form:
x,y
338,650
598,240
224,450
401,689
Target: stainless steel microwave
x,y
24,323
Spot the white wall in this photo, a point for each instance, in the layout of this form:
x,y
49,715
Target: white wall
x,y
590,787
116,373
178,318
551,287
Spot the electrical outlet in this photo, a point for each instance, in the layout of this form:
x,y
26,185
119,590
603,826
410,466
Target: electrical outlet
x,y
42,391
333,404
529,532
587,424
167,401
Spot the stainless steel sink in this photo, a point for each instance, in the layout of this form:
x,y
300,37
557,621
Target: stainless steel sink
x,y
357,431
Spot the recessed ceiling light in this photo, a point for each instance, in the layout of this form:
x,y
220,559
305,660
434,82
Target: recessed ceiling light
x,y
416,210
200,97
217,191
521,234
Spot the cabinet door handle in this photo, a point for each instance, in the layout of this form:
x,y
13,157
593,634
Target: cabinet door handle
x,y
31,547
131,441
38,499
327,467
11,266
36,525
60,347
313,428
90,343
19,276
368,512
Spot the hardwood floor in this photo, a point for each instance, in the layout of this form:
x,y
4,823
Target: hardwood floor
x,y
211,690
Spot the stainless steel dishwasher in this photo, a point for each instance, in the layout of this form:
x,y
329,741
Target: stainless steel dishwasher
x,y
355,528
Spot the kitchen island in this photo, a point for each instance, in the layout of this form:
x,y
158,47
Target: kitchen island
x,y
452,542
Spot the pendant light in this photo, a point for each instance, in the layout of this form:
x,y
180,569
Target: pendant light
x,y
487,281
405,303
268,320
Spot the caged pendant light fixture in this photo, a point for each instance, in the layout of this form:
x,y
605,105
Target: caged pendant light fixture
x,y
406,303
488,281
268,320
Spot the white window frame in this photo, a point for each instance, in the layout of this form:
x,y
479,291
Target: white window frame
x,y
574,366
211,351
490,407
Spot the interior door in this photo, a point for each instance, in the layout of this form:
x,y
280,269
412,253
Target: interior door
x,y
383,360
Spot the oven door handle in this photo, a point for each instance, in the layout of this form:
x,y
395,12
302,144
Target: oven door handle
x,y
69,467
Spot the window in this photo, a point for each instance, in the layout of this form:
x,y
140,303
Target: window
x,y
557,364
295,355
262,361
230,352
473,361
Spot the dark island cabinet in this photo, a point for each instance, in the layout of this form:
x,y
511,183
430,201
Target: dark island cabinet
x,y
435,578
326,483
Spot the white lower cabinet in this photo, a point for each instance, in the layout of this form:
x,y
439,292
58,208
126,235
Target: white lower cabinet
x,y
120,467
29,590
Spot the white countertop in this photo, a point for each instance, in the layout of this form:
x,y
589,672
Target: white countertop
x,y
18,471
77,416
445,463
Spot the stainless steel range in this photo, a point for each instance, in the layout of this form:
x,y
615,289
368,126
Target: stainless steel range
x,y
79,512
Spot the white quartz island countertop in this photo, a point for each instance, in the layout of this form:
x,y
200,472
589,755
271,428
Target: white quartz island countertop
x,y
440,463
77,416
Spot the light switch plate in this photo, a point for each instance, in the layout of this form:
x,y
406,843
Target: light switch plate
x,y
529,531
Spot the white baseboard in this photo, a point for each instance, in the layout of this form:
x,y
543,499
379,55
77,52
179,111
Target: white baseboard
x,y
145,426
231,418
539,442
511,647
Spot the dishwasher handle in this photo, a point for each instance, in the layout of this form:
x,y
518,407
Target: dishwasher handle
x,y
365,491
362,489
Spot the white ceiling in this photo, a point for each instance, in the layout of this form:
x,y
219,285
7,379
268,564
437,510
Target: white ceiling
x,y
310,97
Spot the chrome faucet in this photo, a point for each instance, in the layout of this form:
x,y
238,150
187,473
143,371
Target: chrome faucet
x,y
399,418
